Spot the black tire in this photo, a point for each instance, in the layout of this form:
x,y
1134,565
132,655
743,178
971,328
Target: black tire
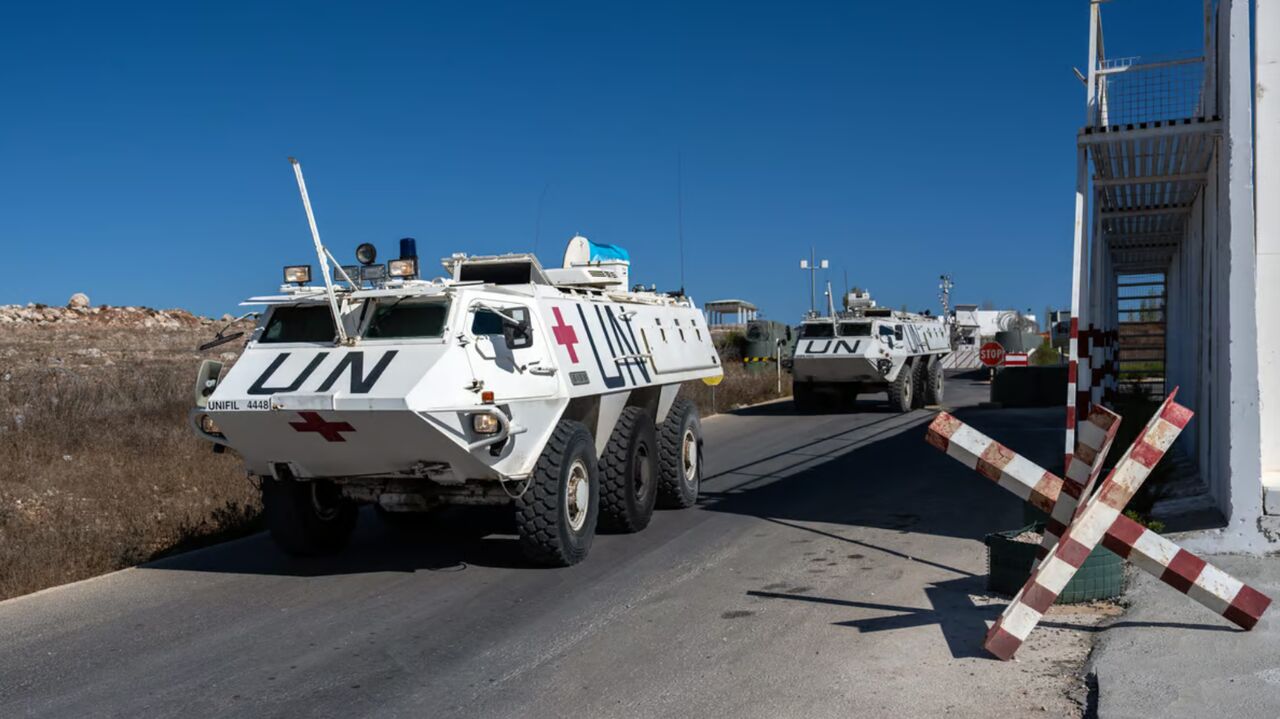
x,y
902,390
919,375
629,473
679,472
308,518
802,396
933,384
554,530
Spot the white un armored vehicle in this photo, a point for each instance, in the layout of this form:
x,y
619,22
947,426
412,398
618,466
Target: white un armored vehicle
x,y
553,391
869,349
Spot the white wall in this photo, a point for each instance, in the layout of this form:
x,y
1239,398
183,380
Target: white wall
x,y
1267,206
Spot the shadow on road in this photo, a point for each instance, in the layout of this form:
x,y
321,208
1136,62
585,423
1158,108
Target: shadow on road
x,y
962,621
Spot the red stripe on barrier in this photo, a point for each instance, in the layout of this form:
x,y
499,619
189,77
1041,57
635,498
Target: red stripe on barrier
x,y
1145,454
1247,608
1038,598
1072,552
1122,535
1176,415
993,461
1001,644
1183,570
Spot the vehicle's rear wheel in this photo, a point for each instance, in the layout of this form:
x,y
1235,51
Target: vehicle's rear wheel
x,y
629,473
933,389
902,389
307,518
919,374
680,451
556,515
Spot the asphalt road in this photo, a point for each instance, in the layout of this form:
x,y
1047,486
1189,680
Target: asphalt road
x,y
831,567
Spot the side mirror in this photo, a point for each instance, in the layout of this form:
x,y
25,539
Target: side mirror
x,y
517,334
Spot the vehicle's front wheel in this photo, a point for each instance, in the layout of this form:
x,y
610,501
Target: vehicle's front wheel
x,y
307,518
680,450
802,395
902,389
556,515
629,473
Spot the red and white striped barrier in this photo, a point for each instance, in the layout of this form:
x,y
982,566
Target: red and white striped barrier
x,y
1180,569
1093,443
1086,531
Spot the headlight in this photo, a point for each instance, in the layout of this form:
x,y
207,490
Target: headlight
x,y
297,274
403,268
484,423
208,425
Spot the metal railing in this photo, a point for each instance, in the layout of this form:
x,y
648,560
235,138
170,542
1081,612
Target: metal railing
x,y
1134,90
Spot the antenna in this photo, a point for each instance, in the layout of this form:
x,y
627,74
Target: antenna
x,y
321,252
680,213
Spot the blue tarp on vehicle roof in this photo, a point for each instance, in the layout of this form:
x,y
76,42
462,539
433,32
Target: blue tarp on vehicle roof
x,y
605,253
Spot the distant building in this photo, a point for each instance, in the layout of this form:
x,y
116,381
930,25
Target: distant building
x,y
729,314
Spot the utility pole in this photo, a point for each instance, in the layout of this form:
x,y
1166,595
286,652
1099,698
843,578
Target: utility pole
x,y
813,266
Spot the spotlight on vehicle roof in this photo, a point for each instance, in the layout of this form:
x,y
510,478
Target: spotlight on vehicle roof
x,y
297,274
366,254
403,268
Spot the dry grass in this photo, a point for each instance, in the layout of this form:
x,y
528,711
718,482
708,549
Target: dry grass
x,y
98,469
740,387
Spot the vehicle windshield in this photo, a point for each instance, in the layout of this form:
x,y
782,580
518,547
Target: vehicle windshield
x,y
299,323
855,329
404,318
817,330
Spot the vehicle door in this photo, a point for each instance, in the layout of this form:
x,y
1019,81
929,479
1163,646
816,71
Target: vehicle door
x,y
509,349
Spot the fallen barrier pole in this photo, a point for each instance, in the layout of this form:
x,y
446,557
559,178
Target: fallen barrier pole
x,y
1215,589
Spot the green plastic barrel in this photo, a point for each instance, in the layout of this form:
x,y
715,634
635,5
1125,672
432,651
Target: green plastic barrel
x,y
1009,565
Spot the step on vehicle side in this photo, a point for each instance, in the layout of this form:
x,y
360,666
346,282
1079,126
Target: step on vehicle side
x,y
552,391
867,349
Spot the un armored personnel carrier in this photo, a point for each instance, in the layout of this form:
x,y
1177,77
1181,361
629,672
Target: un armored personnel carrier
x,y
867,349
553,391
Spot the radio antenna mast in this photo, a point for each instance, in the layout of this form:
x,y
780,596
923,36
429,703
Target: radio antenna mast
x,y
680,214
321,253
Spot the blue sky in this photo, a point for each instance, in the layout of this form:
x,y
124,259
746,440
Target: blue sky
x,y
143,146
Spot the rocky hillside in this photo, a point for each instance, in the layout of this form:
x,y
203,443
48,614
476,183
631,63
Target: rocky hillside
x,y
102,315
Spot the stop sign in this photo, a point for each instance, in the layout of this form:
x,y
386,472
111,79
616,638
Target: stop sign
x,y
991,354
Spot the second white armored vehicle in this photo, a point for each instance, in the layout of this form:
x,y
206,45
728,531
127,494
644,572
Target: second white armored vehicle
x,y
553,391
867,349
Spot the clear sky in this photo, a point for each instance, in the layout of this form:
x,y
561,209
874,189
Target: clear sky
x,y
143,146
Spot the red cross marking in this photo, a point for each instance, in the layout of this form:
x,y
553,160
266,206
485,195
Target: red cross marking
x,y
565,335
331,431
